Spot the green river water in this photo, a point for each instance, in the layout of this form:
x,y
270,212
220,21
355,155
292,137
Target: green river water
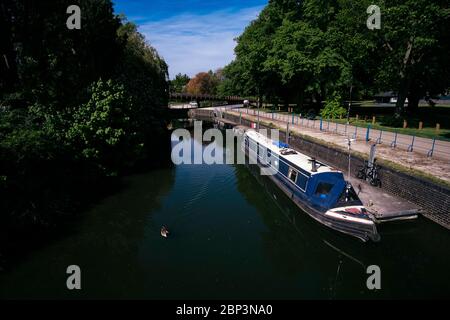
x,y
233,235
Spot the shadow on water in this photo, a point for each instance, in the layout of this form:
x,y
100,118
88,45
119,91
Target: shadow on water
x,y
105,244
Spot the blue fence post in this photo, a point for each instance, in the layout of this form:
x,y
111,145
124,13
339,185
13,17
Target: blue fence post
x,y
368,133
336,130
394,143
430,153
356,132
411,146
292,118
379,138
328,128
320,123
272,115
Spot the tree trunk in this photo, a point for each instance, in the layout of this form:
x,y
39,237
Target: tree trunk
x,y
400,105
413,101
300,99
405,85
286,100
405,79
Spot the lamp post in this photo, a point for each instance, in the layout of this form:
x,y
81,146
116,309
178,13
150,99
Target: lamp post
x,y
258,117
349,104
348,187
349,143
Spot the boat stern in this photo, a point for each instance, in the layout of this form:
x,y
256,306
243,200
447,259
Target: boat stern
x,y
354,221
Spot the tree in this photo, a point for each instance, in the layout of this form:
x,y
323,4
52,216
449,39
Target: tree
x,y
203,83
79,104
49,63
144,74
304,61
357,45
415,41
251,53
333,108
306,50
103,127
178,85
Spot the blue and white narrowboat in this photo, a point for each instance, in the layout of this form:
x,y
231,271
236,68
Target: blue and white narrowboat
x,y
318,189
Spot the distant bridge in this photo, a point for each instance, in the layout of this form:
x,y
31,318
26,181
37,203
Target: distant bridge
x,y
185,97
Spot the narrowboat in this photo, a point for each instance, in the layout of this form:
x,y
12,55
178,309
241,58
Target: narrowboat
x,y
316,188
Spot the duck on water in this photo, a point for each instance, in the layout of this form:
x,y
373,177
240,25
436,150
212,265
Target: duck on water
x,y
164,232
318,189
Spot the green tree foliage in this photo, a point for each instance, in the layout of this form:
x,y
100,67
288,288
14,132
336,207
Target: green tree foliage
x,y
333,108
302,51
415,39
144,75
178,85
46,62
75,105
102,128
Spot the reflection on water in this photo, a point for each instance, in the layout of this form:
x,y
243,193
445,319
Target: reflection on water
x,y
233,235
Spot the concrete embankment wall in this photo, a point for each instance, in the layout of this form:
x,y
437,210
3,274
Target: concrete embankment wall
x,y
433,198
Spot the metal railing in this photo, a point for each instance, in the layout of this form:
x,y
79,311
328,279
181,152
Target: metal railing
x,y
426,146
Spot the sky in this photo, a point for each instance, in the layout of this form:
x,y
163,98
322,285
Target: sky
x,y
191,35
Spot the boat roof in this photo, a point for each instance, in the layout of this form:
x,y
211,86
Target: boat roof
x,y
298,159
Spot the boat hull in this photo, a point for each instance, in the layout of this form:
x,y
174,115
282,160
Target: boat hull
x,y
363,229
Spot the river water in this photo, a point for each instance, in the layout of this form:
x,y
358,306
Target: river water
x,y
233,235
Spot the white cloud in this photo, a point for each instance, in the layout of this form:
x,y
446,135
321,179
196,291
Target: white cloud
x,y
193,43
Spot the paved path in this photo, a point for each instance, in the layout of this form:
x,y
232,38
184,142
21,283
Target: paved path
x,y
438,165
425,146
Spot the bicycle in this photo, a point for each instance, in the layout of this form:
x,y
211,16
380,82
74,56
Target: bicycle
x,y
370,173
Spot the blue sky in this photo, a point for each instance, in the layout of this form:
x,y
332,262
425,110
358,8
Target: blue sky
x,y
192,35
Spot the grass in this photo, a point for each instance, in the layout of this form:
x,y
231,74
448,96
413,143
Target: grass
x,y
383,123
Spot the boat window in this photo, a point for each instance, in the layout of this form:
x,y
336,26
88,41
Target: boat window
x,y
323,189
292,175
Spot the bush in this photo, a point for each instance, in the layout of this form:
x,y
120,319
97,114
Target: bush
x,y
333,108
